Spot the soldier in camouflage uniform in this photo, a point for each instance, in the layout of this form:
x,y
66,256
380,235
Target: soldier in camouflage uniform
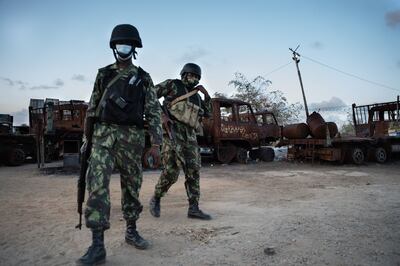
x,y
122,94
183,151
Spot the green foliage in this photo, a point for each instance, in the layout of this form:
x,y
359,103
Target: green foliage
x,y
347,128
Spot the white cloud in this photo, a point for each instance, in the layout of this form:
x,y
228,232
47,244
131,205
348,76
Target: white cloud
x,y
317,45
9,81
333,104
59,82
78,77
43,87
193,54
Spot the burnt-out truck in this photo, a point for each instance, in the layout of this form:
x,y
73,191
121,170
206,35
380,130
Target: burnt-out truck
x,y
58,129
377,137
16,144
381,123
233,131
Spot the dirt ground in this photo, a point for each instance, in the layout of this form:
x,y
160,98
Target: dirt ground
x,y
301,214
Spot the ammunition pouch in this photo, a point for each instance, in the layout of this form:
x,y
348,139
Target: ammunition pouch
x,y
187,113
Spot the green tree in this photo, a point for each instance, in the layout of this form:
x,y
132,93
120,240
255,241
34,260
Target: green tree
x,y
347,128
257,92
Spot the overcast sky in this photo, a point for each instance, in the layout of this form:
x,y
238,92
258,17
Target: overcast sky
x,y
52,49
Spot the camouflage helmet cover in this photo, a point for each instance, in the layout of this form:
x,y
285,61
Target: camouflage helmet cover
x,y
125,33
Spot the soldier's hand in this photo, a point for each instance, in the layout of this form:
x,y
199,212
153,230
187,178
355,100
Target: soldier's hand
x,y
202,90
154,152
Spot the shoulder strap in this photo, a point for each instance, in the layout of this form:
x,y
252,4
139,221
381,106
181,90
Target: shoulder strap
x,y
115,79
183,97
144,76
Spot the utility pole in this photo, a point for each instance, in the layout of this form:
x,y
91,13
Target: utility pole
x,y
296,59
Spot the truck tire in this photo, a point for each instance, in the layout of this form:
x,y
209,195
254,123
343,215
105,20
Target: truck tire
x,y
266,154
380,155
16,157
226,153
241,155
357,155
254,154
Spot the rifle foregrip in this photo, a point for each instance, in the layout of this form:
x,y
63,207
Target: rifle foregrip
x,y
89,126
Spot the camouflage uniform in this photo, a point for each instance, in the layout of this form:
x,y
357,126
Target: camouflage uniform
x,y
117,146
183,151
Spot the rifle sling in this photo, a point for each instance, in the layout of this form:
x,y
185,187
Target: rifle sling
x,y
183,97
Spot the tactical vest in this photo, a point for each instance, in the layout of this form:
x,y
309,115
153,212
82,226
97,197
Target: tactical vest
x,y
123,102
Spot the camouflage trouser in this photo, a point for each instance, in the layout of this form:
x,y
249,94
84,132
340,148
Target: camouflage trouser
x,y
187,155
114,148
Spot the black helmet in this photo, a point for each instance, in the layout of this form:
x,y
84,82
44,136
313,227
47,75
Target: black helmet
x,y
125,33
191,68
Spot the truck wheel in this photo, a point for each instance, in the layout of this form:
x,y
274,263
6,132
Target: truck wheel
x,y
267,154
357,155
380,155
241,155
16,157
225,153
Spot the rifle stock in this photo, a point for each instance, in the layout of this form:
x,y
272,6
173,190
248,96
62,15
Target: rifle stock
x,y
167,123
84,165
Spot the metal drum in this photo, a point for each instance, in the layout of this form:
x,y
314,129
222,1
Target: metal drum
x,y
296,131
333,129
317,125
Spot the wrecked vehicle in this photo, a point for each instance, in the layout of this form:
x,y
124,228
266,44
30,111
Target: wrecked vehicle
x,y
234,130
381,123
16,144
377,136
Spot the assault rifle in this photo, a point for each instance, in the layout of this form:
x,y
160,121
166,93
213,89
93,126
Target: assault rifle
x,y
85,154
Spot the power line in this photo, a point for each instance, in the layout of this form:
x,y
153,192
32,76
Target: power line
x,y
351,75
279,68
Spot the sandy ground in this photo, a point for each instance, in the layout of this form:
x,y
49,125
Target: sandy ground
x,y
307,214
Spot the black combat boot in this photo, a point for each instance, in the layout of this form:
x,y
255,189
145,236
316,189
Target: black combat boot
x,y
133,238
96,253
196,213
155,206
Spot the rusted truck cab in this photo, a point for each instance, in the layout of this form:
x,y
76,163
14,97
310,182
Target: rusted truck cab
x,y
381,123
269,129
233,130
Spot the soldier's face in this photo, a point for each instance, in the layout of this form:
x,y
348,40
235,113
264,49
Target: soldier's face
x,y
191,79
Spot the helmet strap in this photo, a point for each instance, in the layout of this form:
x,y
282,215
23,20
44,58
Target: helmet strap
x,y
134,53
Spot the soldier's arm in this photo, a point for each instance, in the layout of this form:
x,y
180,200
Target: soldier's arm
x,y
164,88
95,97
93,103
152,111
